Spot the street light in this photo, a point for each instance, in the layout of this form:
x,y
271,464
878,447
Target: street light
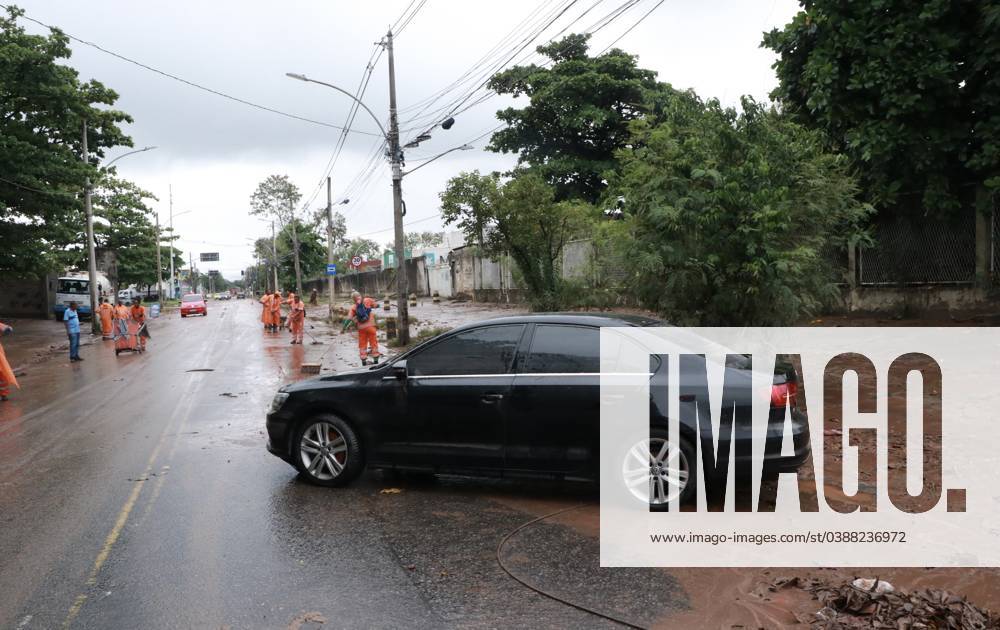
x,y
91,245
108,165
395,157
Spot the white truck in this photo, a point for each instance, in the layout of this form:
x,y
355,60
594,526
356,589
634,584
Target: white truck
x,y
75,287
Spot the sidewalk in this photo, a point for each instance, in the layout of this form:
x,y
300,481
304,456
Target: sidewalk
x,y
35,340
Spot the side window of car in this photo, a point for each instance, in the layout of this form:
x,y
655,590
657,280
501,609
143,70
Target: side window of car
x,y
487,350
564,349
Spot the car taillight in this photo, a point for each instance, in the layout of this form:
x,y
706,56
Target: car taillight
x,y
784,392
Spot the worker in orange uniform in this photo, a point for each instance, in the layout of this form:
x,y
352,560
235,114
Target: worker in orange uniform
x,y
138,315
274,309
106,312
297,319
265,313
6,374
362,315
119,319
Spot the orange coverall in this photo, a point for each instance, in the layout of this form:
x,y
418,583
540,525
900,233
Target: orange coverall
x,y
6,374
367,330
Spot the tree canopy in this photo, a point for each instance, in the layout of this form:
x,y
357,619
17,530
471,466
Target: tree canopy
x,y
577,117
519,216
43,106
909,90
733,218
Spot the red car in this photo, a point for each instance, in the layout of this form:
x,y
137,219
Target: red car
x,y
193,304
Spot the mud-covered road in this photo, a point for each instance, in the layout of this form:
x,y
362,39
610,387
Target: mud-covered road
x,y
135,491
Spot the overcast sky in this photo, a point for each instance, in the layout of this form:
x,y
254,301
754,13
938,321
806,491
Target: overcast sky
x,y
214,152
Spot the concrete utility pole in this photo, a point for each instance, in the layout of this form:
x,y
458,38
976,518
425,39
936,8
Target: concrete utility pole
x,y
329,244
295,250
159,265
91,250
170,188
403,317
274,255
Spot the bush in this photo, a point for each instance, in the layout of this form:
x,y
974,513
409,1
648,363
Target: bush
x,y
729,216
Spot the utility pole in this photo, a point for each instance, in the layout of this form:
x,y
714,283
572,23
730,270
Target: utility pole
x,y
191,276
159,265
91,251
170,188
397,201
295,249
329,244
274,255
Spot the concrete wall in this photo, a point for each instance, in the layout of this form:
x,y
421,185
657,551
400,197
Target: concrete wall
x,y
374,283
439,279
27,297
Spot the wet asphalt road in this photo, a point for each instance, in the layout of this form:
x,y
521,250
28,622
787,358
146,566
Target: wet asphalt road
x,y
136,492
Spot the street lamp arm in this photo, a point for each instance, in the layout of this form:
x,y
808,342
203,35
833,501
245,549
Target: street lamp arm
x,y
464,147
302,77
128,154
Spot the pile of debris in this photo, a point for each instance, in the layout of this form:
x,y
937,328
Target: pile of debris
x,y
874,603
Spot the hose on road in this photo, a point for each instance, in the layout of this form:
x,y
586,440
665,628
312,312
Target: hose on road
x,y
543,592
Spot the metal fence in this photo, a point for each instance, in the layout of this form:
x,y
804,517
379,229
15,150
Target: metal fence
x,y
921,251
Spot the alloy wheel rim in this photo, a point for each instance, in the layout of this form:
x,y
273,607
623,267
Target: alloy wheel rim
x,y
655,471
323,451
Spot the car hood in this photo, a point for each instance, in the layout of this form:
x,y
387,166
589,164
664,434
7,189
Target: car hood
x,y
328,379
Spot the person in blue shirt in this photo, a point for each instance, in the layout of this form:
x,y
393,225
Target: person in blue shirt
x,y
72,319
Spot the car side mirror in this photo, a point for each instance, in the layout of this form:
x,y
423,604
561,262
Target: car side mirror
x,y
398,370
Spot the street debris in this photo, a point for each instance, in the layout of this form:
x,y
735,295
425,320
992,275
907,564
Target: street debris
x,y
201,370
877,604
309,617
311,368
390,491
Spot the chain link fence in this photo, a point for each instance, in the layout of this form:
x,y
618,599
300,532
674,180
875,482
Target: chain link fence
x,y
923,250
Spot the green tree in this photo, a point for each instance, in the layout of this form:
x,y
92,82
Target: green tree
x,y
909,90
578,114
311,250
43,105
519,216
731,216
124,226
277,197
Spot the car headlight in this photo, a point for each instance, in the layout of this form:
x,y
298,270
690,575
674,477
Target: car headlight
x,y
279,400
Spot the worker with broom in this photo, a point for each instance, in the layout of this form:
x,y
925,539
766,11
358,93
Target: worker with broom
x,y
362,315
297,319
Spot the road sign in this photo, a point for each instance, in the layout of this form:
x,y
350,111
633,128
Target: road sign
x,y
356,261
213,272
331,269
209,256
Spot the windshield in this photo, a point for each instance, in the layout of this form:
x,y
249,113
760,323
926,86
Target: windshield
x,y
194,297
80,287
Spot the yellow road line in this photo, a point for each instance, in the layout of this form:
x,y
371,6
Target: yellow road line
x,y
133,497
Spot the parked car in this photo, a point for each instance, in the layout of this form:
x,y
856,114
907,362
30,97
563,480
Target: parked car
x,y
241,295
193,304
514,396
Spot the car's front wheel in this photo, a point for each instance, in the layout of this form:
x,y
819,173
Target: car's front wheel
x,y
327,451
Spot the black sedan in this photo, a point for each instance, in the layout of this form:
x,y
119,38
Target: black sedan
x,y
514,396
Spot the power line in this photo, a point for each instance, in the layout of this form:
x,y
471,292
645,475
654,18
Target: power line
x,y
399,29
629,29
187,82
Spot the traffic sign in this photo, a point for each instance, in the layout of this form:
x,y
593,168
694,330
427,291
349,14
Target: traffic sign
x,y
209,256
356,261
331,269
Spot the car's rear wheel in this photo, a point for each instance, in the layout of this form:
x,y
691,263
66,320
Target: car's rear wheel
x,y
658,471
327,451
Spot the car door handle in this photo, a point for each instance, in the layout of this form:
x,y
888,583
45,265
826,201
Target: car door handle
x,y
491,398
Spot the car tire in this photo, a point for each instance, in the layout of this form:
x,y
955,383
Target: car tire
x,y
327,452
684,456
183,315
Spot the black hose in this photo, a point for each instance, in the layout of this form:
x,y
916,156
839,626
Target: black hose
x,y
542,591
